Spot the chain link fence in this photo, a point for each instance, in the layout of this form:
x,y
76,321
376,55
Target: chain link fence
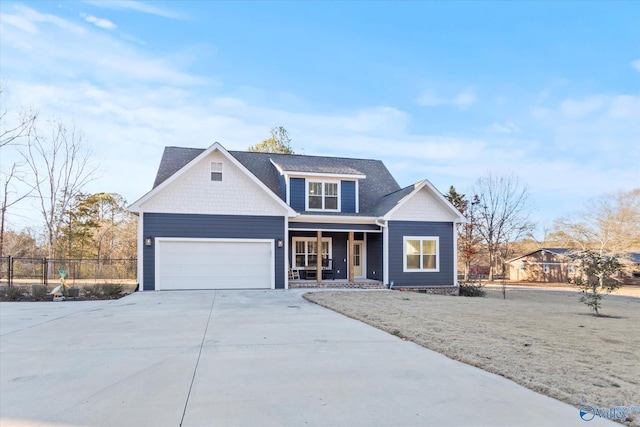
x,y
29,271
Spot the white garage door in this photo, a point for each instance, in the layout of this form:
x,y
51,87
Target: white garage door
x,y
214,264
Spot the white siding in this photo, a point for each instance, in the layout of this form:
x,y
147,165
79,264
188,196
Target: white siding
x,y
195,193
423,206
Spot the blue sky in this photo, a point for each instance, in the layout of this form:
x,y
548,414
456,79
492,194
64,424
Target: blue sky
x,y
448,91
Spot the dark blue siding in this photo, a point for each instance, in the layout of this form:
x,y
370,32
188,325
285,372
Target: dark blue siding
x,y
332,226
212,226
348,196
374,256
297,194
399,229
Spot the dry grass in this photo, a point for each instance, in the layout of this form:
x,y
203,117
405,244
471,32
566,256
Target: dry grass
x,y
545,341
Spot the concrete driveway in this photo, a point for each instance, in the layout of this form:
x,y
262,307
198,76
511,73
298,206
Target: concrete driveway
x,y
238,358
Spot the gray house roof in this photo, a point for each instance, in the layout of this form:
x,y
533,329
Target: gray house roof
x,y
377,191
635,257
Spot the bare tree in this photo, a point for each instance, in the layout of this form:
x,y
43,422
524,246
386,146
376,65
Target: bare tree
x,y
502,215
12,129
7,202
610,224
60,167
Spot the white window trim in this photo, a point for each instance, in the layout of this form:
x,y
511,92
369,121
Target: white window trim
x,y
294,240
323,182
404,254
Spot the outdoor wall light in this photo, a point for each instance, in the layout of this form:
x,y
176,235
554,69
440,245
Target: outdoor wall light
x,y
147,241
280,243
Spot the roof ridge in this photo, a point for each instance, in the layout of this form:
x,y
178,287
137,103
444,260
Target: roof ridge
x,y
305,155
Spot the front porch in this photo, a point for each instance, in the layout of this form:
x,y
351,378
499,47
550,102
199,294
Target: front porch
x,y
348,255
336,284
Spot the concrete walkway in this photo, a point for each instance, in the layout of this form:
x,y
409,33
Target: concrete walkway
x,y
238,358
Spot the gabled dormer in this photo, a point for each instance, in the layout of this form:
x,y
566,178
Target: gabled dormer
x,y
310,187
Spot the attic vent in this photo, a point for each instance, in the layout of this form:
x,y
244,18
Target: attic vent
x,y
216,171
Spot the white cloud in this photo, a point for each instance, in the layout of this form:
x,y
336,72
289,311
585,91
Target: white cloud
x,y
625,106
96,56
636,64
33,17
19,22
464,99
506,128
137,6
100,22
579,108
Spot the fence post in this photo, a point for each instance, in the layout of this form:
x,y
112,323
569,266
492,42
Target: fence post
x,y
10,272
44,271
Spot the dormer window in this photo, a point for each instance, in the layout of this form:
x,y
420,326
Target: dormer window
x,y
216,171
322,195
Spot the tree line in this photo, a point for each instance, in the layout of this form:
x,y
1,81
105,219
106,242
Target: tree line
x,y
499,226
53,168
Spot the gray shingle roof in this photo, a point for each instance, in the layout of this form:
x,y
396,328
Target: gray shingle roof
x,y
378,190
174,159
315,164
389,201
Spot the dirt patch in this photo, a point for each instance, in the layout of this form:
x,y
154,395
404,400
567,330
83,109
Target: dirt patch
x,y
540,339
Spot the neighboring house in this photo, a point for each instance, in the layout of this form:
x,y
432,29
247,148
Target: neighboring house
x,y
542,265
633,278
554,265
218,219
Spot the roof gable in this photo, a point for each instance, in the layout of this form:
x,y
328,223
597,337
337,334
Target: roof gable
x,y
185,173
421,202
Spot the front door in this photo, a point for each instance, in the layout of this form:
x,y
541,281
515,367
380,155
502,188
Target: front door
x,y
358,259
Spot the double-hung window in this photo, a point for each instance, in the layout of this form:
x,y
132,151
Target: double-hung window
x,y
421,253
216,171
306,251
322,195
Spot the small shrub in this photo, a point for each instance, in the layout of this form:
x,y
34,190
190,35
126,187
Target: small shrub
x,y
103,290
471,289
15,293
91,292
398,334
112,289
38,292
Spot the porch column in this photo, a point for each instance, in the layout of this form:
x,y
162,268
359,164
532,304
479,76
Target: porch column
x,y
350,256
319,258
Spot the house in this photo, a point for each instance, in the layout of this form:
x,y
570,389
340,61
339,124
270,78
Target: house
x,y
542,265
218,219
554,265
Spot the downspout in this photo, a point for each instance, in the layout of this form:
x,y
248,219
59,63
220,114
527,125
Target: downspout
x,y
382,223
